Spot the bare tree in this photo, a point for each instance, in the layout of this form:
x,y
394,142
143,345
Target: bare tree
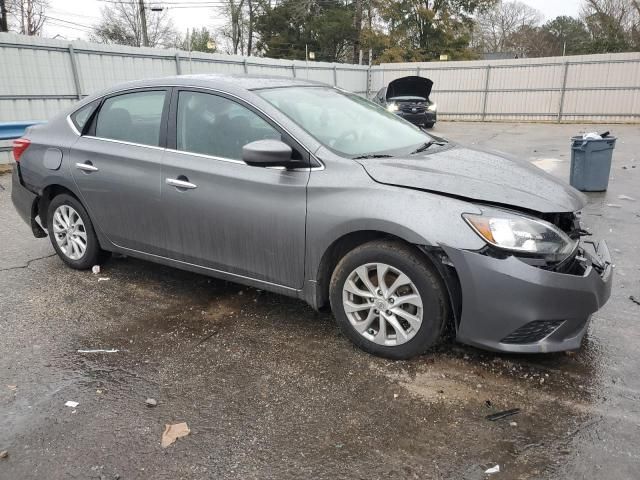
x,y
121,23
233,30
496,25
613,24
29,15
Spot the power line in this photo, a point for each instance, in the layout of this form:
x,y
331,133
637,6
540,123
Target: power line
x,y
90,27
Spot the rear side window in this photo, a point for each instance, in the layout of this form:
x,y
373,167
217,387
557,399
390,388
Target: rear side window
x,y
216,126
81,117
132,117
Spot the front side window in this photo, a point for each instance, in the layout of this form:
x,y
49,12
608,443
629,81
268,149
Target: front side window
x,y
216,126
344,122
132,117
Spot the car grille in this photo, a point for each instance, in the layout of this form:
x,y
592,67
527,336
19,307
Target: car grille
x,y
412,108
532,332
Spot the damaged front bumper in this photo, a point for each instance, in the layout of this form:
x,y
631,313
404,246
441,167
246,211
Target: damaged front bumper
x,y
511,306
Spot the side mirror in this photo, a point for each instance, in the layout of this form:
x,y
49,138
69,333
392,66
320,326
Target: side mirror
x,y
267,153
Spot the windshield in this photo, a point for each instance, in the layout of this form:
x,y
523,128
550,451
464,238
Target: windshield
x,y
344,122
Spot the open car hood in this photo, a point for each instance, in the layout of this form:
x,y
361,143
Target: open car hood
x,y
478,176
410,87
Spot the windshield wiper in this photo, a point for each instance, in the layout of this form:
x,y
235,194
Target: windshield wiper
x,y
373,155
426,145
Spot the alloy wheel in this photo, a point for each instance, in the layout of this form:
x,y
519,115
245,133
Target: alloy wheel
x,y
69,232
382,304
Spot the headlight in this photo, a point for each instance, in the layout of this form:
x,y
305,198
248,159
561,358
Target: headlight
x,y
518,233
433,107
392,107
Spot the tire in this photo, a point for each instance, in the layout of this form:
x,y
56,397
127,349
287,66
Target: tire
x,y
69,252
434,309
429,125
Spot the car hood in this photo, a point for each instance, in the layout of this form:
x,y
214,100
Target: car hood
x,y
411,86
478,176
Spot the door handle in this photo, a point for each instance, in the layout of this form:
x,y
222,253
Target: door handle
x,y
174,182
87,167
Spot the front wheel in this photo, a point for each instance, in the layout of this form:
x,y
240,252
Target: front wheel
x,y
429,125
71,233
389,300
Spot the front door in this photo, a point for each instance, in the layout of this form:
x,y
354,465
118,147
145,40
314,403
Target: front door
x,y
220,212
117,168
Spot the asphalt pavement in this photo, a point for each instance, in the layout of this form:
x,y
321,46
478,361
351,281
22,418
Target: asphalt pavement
x,y
270,389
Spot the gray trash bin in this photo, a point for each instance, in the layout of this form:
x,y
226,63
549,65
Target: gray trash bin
x,y
591,163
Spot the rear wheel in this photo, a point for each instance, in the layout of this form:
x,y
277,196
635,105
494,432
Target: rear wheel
x,y
71,233
389,300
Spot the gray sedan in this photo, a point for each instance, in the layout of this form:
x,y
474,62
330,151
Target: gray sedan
x,y
316,193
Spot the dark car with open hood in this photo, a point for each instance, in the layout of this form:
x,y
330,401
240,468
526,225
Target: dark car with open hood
x,y
306,190
408,97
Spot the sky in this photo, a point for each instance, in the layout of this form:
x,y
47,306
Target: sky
x,y
72,19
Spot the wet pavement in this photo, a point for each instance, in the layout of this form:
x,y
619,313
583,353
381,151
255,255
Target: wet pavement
x,y
270,389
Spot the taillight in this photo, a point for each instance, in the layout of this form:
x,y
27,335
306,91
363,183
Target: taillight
x,y
19,146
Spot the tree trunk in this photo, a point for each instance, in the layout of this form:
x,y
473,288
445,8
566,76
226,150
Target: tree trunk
x,y
3,17
143,21
357,24
250,35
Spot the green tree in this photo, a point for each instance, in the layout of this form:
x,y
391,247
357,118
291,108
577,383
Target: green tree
x,y
292,27
200,41
568,35
424,29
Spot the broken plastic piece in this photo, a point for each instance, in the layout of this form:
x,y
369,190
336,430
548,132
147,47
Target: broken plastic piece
x,y
173,432
71,403
506,413
95,269
495,469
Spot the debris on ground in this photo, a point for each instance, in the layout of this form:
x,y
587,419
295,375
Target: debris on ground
x,y
173,432
13,388
614,205
100,350
499,415
634,299
4,454
151,402
71,403
491,470
103,279
95,269
513,424
626,197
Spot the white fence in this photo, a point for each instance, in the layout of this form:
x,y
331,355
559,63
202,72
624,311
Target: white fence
x,y
591,88
40,77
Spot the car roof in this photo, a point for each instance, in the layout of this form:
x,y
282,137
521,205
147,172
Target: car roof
x,y
230,83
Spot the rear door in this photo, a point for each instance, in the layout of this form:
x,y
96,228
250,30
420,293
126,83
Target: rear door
x,y
116,164
227,215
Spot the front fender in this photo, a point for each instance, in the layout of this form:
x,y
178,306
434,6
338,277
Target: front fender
x,y
343,199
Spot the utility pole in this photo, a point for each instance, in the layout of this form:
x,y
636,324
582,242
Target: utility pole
x,y
3,17
357,24
250,34
143,21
